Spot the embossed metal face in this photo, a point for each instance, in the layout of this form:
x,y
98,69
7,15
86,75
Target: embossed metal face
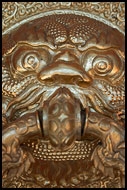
x,y
63,101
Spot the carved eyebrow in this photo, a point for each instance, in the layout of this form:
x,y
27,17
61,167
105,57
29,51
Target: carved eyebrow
x,y
115,49
97,47
55,48
38,44
31,44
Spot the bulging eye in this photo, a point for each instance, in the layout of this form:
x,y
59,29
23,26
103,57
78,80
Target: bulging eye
x,y
106,63
102,65
26,61
31,61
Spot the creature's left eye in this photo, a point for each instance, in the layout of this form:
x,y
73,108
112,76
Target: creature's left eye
x,y
108,64
102,65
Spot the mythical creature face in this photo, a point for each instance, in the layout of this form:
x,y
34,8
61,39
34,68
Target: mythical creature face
x,y
70,70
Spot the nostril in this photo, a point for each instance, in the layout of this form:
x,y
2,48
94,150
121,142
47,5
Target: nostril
x,y
48,81
78,80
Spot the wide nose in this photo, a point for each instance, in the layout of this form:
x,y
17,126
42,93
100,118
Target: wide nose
x,y
65,70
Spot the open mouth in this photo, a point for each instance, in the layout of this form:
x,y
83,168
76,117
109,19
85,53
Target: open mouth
x,y
63,119
63,113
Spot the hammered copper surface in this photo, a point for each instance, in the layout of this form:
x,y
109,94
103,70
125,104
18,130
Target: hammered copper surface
x,y
63,103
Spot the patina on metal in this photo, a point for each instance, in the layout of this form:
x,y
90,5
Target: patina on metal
x,y
63,74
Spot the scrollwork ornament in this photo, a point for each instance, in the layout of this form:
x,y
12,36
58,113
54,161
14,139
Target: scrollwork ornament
x,y
15,12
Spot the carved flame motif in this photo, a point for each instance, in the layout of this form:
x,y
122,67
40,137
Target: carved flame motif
x,y
63,85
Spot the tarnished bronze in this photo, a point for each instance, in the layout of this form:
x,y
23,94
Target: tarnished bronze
x,y
63,98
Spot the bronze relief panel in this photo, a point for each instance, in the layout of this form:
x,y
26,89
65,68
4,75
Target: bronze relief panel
x,y
63,104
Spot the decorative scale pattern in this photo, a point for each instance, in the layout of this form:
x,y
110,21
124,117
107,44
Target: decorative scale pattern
x,y
12,87
114,94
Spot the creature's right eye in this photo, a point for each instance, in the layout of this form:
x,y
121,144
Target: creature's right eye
x,y
29,59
